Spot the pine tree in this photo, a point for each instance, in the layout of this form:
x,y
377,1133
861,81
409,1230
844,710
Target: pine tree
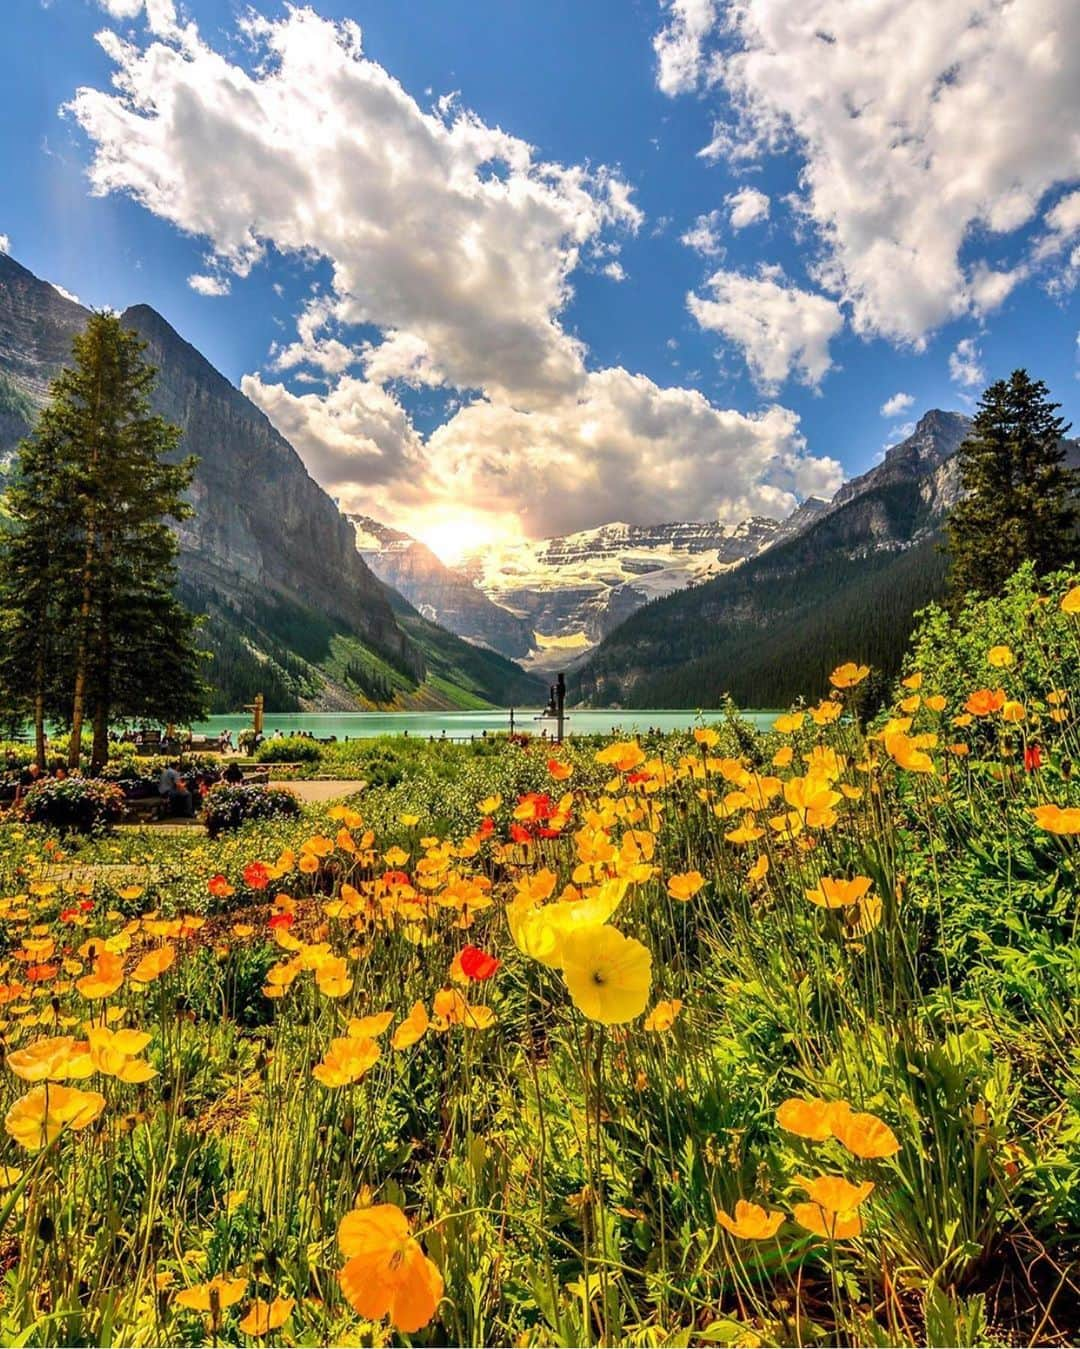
x,y
1020,499
123,645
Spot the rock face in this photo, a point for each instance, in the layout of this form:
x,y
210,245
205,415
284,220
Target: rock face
x,y
261,521
267,553
572,591
262,526
441,593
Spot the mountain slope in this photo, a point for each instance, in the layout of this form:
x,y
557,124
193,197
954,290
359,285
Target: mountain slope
x,y
573,590
845,587
441,593
292,607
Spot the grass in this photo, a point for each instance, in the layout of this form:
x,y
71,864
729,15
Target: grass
x,y
706,969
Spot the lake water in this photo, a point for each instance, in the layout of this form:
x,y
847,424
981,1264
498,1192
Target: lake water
x,y
462,725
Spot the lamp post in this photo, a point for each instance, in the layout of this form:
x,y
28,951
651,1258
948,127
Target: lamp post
x,y
556,707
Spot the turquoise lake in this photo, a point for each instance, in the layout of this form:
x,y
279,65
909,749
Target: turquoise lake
x,y
462,725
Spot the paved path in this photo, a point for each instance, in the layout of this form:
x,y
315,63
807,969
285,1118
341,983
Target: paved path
x,y
311,791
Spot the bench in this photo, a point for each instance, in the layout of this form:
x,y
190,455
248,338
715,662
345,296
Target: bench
x,y
145,809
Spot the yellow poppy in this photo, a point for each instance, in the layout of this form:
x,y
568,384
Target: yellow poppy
x,y
685,885
373,1026
607,974
37,1118
1070,603
849,674
412,1028
212,1297
1000,657
662,1017
263,1317
809,1118
751,1222
833,893
1058,820
386,1271
105,978
347,1060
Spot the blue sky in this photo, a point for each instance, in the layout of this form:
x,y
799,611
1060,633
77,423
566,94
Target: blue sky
x,y
656,329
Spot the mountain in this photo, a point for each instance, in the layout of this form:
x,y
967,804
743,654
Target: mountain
x,y
443,594
292,608
571,591
843,586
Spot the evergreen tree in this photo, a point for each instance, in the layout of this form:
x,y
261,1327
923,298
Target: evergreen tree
x,y
121,643
1020,499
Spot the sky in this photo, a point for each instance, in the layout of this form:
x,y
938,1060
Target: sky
x,y
505,269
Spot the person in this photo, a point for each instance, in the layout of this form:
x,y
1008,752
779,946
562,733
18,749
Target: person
x,y
234,774
172,785
29,775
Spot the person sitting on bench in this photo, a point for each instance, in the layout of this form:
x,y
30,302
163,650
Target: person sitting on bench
x,y
172,785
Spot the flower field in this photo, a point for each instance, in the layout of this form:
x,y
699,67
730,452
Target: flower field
x,y
713,1038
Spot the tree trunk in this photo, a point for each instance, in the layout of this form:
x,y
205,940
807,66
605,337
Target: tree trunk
x,y
78,700
39,710
99,754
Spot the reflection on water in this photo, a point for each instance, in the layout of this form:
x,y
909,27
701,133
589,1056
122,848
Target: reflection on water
x,y
462,725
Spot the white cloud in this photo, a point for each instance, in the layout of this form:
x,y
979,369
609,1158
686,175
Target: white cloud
x,y
5,243
921,127
897,405
122,9
457,245
67,294
679,47
965,365
1061,241
614,270
623,449
704,237
204,284
436,224
780,329
746,207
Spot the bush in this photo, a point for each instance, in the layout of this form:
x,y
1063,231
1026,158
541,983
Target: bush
x,y
289,749
79,804
229,807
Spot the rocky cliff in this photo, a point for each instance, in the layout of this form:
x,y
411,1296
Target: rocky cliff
x,y
441,593
293,607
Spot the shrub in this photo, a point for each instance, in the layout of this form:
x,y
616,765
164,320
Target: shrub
x,y
229,807
79,804
289,749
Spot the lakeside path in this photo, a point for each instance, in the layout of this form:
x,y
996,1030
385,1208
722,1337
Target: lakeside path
x,y
315,791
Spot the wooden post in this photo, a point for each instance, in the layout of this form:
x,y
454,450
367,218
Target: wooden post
x,y
560,706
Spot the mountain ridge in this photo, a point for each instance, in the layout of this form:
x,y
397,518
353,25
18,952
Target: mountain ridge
x,y
293,609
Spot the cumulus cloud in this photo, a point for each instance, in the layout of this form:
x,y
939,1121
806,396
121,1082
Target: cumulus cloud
x,y
680,45
921,126
897,405
456,244
965,364
625,449
205,284
746,207
780,329
437,225
704,236
5,243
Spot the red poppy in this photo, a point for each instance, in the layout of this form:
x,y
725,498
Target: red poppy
x,y
285,920
220,888
86,905
477,964
39,974
66,915
1033,758
519,834
637,777
392,878
487,827
256,875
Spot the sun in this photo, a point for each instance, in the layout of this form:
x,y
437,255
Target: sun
x,y
451,537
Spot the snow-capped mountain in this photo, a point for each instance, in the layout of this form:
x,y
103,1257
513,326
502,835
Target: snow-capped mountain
x,y
548,603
